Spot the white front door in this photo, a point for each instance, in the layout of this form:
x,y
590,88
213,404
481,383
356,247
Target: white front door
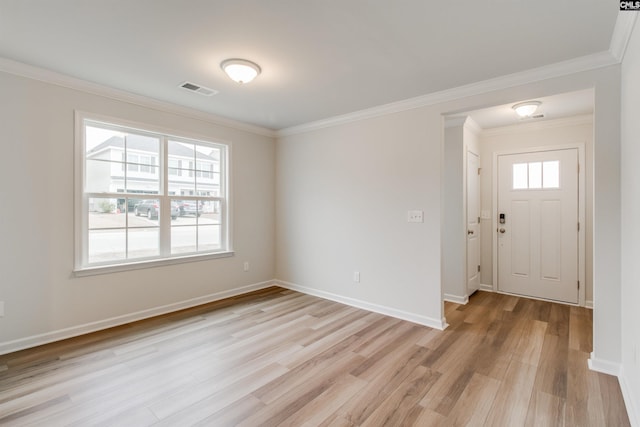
x,y
473,223
538,224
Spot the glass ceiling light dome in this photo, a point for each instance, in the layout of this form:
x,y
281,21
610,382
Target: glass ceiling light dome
x,y
240,70
526,109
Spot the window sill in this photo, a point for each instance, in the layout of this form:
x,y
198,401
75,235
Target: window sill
x,y
93,271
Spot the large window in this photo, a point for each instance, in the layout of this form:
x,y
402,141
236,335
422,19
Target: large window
x,y
147,197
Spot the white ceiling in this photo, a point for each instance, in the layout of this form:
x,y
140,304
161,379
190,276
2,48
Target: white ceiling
x,y
319,58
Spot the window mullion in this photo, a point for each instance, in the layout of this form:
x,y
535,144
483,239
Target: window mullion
x,y
165,201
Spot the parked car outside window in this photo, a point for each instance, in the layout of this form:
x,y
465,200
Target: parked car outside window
x,y
150,209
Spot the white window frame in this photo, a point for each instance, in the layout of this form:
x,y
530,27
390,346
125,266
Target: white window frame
x,y
82,267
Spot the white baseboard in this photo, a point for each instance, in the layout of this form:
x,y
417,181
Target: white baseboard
x,y
588,304
604,366
388,311
630,401
74,331
486,288
456,299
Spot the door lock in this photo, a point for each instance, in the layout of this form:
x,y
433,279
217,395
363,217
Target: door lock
x,y
502,230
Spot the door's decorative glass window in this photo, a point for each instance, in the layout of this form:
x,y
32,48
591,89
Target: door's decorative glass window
x,y
536,175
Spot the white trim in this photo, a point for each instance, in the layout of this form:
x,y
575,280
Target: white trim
x,y
630,401
456,299
486,288
604,366
582,204
440,324
472,126
115,268
74,331
582,119
58,79
588,304
571,66
622,33
453,121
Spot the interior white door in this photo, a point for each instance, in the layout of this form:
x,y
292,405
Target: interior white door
x,y
538,224
473,223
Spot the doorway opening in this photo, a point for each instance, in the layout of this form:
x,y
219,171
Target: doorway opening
x,y
563,125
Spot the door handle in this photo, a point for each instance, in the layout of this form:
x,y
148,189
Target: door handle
x,y
469,232
502,230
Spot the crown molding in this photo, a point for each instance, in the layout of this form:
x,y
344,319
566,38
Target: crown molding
x,y
581,119
622,33
559,69
47,76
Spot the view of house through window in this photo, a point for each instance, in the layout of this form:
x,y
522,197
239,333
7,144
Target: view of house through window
x,y
149,196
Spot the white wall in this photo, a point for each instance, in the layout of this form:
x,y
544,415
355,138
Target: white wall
x,y
453,238
343,193
41,295
343,196
530,135
630,375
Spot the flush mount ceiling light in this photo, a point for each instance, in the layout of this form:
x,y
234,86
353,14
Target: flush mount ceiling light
x,y
240,70
526,109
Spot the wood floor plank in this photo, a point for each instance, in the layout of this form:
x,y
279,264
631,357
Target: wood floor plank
x,y
474,403
512,399
545,410
278,357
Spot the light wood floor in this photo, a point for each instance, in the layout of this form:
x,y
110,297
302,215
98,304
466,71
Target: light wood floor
x,y
280,358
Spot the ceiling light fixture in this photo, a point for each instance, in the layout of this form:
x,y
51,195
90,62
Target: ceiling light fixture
x,y
526,109
240,70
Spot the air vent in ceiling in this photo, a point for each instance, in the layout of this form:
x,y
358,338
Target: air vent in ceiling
x,y
198,89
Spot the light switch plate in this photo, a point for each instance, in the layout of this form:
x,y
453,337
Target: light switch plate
x,y
415,216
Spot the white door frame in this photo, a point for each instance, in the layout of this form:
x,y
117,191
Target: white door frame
x,y
581,211
465,180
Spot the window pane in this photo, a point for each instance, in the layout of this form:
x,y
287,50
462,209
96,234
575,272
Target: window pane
x,y
189,208
97,140
106,213
148,208
520,176
183,239
210,212
207,160
146,180
551,174
107,245
103,176
144,145
143,242
181,184
535,175
208,237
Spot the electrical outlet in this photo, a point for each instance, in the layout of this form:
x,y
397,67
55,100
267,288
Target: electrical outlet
x,y
415,216
356,276
1,308
246,266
